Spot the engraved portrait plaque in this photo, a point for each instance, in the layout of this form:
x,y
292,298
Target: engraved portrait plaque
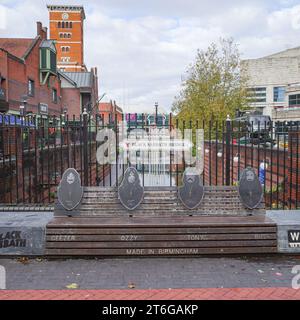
x,y
250,189
131,192
192,192
70,191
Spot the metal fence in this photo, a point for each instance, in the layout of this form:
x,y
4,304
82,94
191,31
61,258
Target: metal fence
x,y
34,153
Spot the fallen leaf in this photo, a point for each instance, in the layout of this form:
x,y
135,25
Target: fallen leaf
x,y
23,260
260,271
278,274
131,285
72,286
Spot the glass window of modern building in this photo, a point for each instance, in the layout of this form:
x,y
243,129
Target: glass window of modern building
x,y
294,100
257,95
279,94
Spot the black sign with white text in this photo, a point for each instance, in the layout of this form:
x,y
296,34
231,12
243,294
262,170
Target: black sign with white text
x,y
294,238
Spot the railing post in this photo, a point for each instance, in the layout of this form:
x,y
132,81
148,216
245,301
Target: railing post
x,y
85,149
228,151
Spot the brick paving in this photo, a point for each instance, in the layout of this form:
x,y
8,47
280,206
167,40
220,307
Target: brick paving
x,y
161,294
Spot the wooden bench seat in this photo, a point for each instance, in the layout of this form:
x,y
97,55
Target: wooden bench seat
x,y
160,226
160,236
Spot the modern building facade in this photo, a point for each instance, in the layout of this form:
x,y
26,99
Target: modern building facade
x,y
67,29
273,82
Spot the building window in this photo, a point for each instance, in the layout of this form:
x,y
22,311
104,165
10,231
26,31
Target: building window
x,y
71,25
257,95
65,59
59,24
279,94
294,100
65,49
65,35
54,95
30,87
63,24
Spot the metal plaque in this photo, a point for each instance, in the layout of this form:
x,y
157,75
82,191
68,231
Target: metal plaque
x,y
131,192
250,189
192,192
70,191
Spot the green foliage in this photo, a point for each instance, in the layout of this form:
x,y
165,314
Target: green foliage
x,y
214,86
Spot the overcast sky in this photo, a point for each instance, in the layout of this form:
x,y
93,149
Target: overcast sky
x,y
143,47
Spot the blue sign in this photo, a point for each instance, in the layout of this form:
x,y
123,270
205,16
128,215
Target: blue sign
x,y
16,120
262,173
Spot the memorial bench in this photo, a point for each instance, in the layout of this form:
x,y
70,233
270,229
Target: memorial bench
x,y
160,224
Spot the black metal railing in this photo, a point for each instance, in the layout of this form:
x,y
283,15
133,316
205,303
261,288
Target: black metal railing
x,y
34,153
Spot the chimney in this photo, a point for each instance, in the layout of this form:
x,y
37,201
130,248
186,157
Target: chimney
x,y
42,32
45,29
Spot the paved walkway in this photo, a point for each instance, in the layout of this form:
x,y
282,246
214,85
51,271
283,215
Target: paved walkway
x,y
171,294
147,273
257,277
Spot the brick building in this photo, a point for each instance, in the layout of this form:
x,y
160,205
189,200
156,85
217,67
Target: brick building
x,y
28,75
109,111
79,86
79,91
66,28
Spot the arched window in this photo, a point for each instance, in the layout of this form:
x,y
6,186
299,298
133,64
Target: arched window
x,y
63,49
61,35
59,24
71,24
69,35
65,35
67,24
67,49
63,24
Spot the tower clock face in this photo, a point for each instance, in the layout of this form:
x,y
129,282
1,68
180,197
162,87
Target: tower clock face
x,y
65,16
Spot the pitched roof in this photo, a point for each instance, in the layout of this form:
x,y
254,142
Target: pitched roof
x,y
48,44
82,79
15,46
63,75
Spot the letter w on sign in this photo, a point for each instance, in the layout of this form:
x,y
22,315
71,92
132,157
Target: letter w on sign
x,y
294,236
2,278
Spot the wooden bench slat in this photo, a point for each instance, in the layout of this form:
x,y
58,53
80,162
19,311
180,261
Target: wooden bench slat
x,y
160,231
154,237
161,252
162,221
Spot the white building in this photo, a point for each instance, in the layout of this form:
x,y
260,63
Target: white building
x,y
274,84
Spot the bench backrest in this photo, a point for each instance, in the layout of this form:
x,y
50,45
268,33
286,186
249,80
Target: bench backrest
x,y
161,201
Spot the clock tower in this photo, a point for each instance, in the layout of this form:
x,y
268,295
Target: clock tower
x,y
66,28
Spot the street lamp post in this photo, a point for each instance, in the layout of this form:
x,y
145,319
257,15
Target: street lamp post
x,y
228,151
156,112
85,147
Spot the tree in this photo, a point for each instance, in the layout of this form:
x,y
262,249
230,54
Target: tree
x,y
214,86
